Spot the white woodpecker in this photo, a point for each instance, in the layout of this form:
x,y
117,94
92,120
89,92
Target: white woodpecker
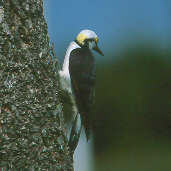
x,y
78,78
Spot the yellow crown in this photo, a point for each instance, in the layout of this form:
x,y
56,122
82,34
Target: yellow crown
x,y
81,37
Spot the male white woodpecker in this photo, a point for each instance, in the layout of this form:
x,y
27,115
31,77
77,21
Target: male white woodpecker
x,y
78,78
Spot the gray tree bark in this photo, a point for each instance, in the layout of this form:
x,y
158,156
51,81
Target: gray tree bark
x,y
32,131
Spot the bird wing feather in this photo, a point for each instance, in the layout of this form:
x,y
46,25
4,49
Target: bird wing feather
x,y
82,74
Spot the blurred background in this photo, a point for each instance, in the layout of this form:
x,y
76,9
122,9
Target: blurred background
x,y
132,115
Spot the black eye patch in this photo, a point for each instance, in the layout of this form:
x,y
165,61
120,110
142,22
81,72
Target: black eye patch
x,y
89,40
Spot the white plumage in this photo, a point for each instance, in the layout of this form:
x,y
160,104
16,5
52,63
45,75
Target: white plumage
x,y
89,33
64,73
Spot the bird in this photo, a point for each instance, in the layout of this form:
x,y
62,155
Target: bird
x,y
78,77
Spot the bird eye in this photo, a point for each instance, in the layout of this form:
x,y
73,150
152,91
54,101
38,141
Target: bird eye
x,y
89,40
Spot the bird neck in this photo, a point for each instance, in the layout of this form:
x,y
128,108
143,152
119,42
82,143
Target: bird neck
x,y
73,45
76,41
83,46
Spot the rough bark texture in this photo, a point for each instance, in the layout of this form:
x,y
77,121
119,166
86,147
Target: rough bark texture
x,y
32,132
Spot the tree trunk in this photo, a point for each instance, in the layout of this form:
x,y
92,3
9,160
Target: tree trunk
x,y
32,131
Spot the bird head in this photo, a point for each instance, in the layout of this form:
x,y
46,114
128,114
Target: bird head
x,y
88,38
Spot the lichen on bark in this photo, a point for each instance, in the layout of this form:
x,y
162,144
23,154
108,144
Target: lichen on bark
x,y
32,131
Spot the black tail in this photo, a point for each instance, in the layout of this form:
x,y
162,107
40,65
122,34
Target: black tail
x,y
87,132
86,124
75,133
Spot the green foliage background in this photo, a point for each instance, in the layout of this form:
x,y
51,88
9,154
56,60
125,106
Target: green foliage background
x,y
132,121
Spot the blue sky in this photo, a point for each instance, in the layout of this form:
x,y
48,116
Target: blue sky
x,y
114,21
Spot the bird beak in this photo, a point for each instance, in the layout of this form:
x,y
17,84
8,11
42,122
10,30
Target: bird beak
x,y
96,48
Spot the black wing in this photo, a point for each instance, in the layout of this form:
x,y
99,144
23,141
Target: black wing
x,y
82,73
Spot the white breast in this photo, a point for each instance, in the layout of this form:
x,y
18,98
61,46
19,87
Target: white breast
x,y
64,73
